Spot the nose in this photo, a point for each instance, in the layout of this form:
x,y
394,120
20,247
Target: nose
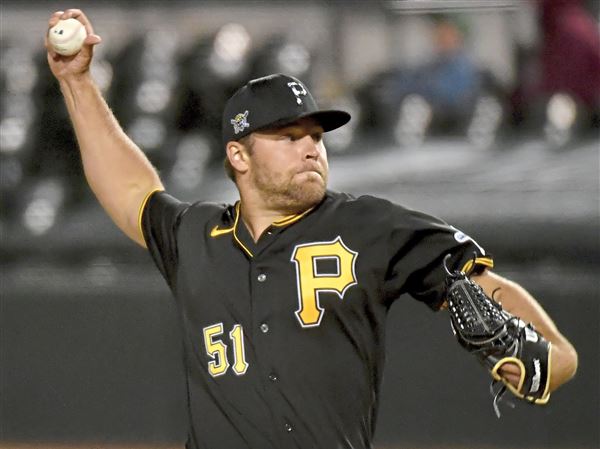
x,y
309,147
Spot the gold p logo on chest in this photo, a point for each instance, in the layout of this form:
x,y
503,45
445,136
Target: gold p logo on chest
x,y
311,281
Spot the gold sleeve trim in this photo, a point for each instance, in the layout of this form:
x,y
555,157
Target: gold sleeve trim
x,y
141,210
485,261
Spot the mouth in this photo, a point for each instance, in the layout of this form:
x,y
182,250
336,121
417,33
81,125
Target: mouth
x,y
312,169
311,173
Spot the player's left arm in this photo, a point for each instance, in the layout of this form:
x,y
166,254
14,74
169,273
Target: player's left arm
x,y
516,300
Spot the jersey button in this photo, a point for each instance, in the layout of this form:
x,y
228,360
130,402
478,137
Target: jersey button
x,y
273,377
261,277
288,427
264,327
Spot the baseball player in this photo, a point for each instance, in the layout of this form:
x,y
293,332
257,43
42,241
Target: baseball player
x,y
283,295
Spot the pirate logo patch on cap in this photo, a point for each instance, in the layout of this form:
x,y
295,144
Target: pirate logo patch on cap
x,y
240,122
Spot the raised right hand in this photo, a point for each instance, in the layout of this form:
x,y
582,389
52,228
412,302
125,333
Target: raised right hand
x,y
74,66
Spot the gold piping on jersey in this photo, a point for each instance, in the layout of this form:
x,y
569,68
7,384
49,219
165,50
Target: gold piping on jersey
x,y
517,391
141,210
237,217
486,261
291,218
279,223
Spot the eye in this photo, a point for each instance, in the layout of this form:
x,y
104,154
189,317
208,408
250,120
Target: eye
x,y
317,137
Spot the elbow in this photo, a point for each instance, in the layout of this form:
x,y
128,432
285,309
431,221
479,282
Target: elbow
x,y
572,363
564,364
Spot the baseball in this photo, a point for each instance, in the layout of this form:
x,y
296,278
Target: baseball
x,y
67,36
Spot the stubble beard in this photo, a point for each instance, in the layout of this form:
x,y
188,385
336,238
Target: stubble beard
x,y
292,195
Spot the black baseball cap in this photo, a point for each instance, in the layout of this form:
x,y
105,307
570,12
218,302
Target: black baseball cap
x,y
274,101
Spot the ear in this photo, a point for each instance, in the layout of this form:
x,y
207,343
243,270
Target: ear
x,y
238,156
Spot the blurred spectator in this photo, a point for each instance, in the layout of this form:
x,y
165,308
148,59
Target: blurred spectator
x,y
451,80
442,96
570,53
566,64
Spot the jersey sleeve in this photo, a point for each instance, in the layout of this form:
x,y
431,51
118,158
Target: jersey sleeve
x,y
159,219
419,245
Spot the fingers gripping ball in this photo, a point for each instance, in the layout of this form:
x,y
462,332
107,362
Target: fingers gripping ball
x,y
67,36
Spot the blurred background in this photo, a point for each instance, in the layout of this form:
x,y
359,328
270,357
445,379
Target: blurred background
x,y
483,112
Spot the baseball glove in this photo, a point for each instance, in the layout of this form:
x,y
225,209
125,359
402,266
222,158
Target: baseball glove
x,y
496,337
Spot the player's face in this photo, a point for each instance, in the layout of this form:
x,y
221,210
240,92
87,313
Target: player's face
x,y
288,166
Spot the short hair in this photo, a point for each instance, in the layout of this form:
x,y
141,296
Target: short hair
x,y
247,142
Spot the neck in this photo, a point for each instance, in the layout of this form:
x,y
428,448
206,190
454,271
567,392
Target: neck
x,y
258,213
257,220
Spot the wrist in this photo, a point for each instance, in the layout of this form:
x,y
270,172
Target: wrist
x,y
78,91
75,80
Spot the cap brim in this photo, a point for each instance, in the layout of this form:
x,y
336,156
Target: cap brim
x,y
328,119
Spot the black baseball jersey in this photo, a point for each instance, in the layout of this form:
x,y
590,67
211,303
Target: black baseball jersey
x,y
285,337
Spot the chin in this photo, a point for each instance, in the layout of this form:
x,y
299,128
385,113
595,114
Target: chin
x,y
307,195
294,196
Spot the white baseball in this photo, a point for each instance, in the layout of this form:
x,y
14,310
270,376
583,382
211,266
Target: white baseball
x,y
67,36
